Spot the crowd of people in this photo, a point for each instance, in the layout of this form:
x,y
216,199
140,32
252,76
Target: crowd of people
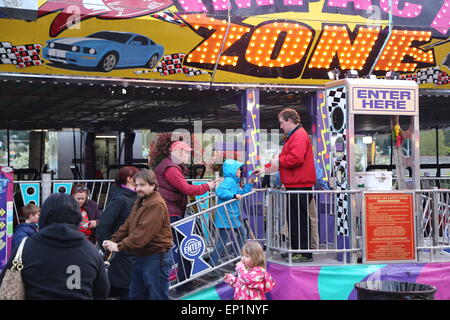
x,y
60,260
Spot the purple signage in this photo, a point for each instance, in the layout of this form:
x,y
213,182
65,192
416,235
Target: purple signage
x,y
6,214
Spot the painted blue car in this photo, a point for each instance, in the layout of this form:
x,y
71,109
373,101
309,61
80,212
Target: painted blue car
x,y
105,50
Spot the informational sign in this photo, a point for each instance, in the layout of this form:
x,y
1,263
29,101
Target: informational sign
x,y
384,100
376,96
389,227
6,214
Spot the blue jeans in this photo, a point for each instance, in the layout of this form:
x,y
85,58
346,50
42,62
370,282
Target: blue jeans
x,y
150,277
225,236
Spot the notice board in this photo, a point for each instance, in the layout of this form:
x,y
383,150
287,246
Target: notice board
x,y
389,227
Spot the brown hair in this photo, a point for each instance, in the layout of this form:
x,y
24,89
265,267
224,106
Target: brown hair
x,y
124,173
30,209
148,176
288,113
256,252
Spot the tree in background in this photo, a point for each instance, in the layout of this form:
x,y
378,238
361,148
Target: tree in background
x,y
428,143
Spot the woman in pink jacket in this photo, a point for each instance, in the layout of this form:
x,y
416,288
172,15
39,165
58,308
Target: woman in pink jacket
x,y
252,281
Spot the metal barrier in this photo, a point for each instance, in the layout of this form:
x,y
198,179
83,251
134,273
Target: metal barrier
x,y
221,243
434,182
314,227
432,221
99,191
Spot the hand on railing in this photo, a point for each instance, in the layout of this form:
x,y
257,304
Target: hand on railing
x,y
238,196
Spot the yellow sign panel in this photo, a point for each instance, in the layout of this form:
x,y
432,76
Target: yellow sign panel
x,y
268,42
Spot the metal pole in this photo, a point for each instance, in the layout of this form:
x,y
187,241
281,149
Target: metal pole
x,y
438,171
46,185
7,146
435,217
387,38
269,224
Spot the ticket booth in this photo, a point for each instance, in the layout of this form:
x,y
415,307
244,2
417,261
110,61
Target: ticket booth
x,y
349,101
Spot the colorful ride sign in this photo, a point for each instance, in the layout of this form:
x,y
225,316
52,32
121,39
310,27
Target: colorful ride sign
x,y
231,41
389,227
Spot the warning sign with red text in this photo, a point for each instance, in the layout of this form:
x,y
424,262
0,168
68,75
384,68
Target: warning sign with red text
x,y
389,227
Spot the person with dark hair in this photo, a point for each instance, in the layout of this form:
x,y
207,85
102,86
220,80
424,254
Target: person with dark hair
x,y
147,232
31,213
121,197
297,172
89,211
58,262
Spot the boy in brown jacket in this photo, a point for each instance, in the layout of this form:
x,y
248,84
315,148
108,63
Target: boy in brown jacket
x,y
147,232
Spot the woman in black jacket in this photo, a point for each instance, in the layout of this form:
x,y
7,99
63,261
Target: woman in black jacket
x,y
120,201
59,262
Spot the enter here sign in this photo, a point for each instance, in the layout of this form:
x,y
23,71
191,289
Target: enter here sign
x,y
374,100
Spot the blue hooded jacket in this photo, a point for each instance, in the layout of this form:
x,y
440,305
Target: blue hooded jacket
x,y
23,230
225,192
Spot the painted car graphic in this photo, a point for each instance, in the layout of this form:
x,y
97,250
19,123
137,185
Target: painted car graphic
x,y
105,50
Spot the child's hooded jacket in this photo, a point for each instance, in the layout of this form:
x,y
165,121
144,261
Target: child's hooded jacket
x,y
226,191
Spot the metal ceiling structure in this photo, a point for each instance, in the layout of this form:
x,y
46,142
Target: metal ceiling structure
x,y
48,103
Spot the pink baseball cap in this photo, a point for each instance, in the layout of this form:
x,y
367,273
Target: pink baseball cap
x,y
180,145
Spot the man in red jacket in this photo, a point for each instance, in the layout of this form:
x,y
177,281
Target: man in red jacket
x,y
297,172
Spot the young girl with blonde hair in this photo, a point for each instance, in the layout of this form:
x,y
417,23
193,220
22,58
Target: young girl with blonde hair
x,y
252,281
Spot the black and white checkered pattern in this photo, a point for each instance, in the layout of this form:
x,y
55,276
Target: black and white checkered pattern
x,y
429,75
173,64
7,56
342,203
21,56
342,214
336,98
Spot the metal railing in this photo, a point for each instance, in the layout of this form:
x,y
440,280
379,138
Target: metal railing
x,y
223,232
432,222
98,191
435,182
320,222
333,230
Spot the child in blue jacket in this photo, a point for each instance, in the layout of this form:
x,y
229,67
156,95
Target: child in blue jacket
x,y
228,218
31,213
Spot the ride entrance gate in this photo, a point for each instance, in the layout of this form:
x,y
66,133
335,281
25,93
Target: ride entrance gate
x,y
350,102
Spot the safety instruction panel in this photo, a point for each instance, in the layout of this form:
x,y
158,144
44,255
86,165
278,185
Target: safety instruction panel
x,y
389,227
